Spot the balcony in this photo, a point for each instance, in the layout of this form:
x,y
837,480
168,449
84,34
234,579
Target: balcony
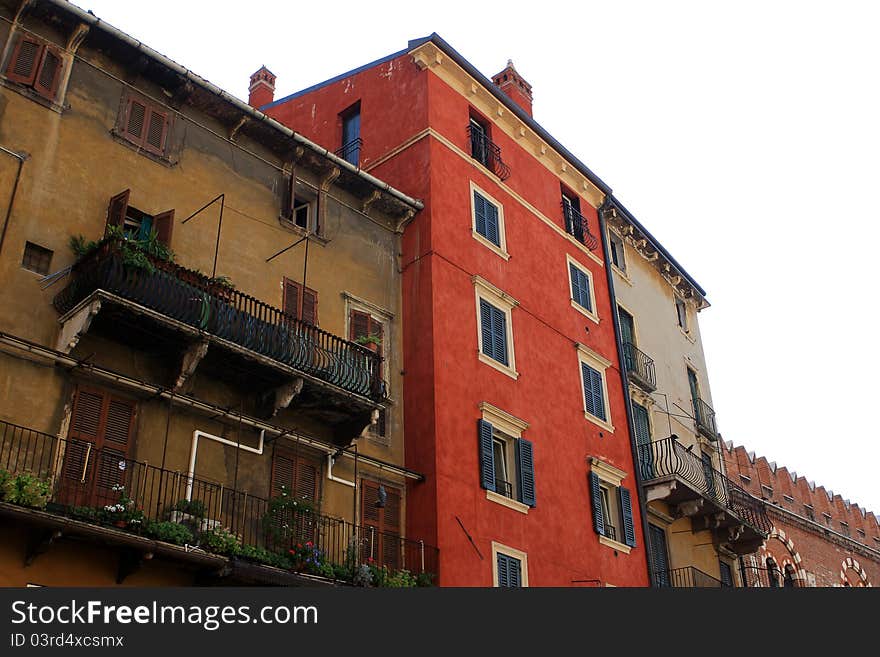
x,y
576,226
251,343
351,152
685,578
486,152
180,517
673,474
704,417
639,367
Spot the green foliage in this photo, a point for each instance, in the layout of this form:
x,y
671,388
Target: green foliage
x,y
125,510
195,508
262,555
367,339
220,541
222,281
287,517
400,580
4,477
27,489
170,532
135,253
425,579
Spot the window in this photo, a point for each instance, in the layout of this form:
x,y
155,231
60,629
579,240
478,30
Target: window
x,y
36,258
659,555
726,573
144,124
494,327
366,329
593,386
300,305
642,426
510,567
772,573
681,314
810,513
767,491
694,387
788,576
298,209
582,293
827,518
382,524
575,224
351,135
488,221
138,225
506,462
612,506
844,529
36,65
479,133
615,250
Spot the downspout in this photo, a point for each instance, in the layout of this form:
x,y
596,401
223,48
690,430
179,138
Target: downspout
x,y
21,159
195,448
630,425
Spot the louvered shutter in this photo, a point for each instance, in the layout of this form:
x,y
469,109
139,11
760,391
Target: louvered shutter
x,y
514,570
371,522
480,214
163,223
499,335
115,442
525,471
626,513
502,565
117,209
575,283
486,328
48,73
391,544
156,131
310,307
726,573
24,61
306,485
376,328
596,501
135,121
487,458
659,557
85,427
492,229
282,473
593,393
291,298
643,440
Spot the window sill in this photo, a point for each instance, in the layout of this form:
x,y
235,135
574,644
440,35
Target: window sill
x,y
610,542
599,422
31,94
622,273
299,230
584,311
506,501
164,160
490,245
504,369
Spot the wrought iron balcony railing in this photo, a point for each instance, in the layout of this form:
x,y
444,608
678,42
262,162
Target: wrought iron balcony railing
x,y
610,531
487,152
668,457
705,418
576,225
687,577
351,152
84,482
640,366
503,488
192,298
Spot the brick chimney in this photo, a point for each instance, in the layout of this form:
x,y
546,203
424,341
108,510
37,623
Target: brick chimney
x,y
512,84
262,89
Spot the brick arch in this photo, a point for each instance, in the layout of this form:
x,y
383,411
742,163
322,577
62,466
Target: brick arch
x,y
851,564
790,557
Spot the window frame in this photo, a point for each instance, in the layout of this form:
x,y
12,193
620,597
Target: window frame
x,y
36,251
587,356
501,248
610,479
300,296
510,429
484,290
681,315
617,251
513,553
32,83
345,116
587,312
141,142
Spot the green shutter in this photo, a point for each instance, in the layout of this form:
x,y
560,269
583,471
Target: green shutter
x,y
487,459
593,394
626,512
486,328
596,499
480,214
526,471
503,571
643,440
499,335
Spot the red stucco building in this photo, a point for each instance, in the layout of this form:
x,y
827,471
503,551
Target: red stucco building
x,y
513,400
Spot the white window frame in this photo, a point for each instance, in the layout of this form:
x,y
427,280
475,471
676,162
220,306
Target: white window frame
x,y
499,548
591,314
501,249
484,290
686,328
610,479
510,428
615,238
600,364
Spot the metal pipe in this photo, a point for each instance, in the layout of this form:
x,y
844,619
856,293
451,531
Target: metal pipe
x,y
21,159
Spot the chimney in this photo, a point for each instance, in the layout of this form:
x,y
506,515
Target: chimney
x,y
517,89
262,89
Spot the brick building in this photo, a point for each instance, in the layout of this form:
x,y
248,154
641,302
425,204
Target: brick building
x,y
818,538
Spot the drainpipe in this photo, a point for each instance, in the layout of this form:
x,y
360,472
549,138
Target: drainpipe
x,y
21,159
630,425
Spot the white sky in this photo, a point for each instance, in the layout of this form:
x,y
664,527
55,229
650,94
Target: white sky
x,y
744,136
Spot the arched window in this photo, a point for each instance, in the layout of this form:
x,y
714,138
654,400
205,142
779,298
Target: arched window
x,y
772,573
788,577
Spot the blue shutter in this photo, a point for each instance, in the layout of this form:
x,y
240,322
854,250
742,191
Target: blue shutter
x,y
596,499
626,511
514,570
643,440
503,575
580,287
526,472
593,394
492,232
575,283
480,214
487,458
499,330
486,328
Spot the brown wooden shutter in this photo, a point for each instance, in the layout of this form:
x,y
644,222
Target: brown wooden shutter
x,y
310,307
157,131
135,120
117,209
299,474
383,543
49,73
287,185
290,300
359,325
391,545
25,60
163,223
306,480
282,472
376,328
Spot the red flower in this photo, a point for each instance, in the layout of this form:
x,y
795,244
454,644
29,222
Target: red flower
x,y
309,544
299,546
370,560
292,551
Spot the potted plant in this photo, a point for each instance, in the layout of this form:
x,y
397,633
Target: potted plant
x,y
221,287
124,513
371,342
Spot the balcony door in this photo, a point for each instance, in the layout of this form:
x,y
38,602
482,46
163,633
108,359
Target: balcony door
x,y
98,445
571,208
380,525
659,555
643,441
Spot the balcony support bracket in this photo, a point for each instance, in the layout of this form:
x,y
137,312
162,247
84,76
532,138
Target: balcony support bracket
x,y
38,542
76,325
689,508
282,396
347,432
190,361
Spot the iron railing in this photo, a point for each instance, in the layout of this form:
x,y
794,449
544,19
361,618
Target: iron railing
x,y
705,418
640,365
754,576
610,531
687,577
576,225
503,487
192,298
351,152
669,457
84,480
487,152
